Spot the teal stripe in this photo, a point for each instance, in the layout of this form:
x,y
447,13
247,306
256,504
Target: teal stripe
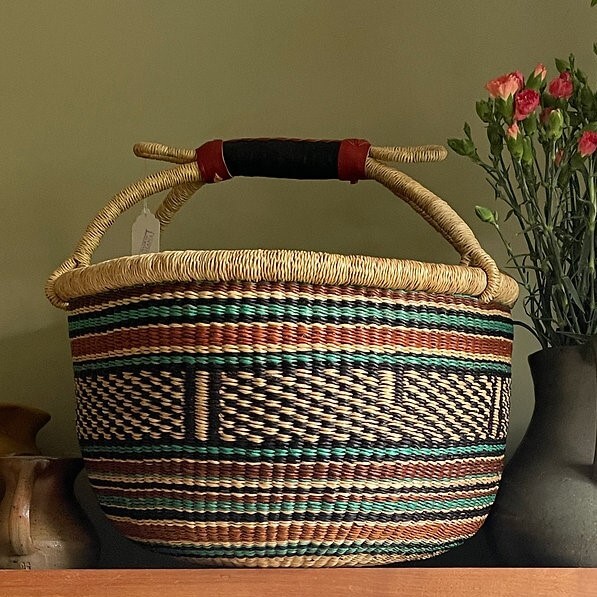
x,y
300,358
336,507
316,452
387,548
235,311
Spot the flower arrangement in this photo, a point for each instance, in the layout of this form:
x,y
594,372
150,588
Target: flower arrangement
x,y
542,164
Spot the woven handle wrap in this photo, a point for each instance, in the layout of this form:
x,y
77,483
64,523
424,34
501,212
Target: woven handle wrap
x,y
360,161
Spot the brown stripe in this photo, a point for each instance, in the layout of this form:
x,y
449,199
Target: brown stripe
x,y
331,471
266,335
275,532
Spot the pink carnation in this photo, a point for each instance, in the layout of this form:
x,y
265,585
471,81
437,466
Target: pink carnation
x,y
525,103
561,87
587,143
506,85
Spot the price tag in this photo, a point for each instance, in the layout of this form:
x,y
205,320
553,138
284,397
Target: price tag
x,y
146,233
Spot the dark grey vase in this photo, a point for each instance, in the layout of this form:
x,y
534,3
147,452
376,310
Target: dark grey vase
x,y
545,513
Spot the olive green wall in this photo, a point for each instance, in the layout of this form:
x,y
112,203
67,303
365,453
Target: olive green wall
x,y
81,81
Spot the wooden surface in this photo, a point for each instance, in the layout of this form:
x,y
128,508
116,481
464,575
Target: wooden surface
x,y
346,582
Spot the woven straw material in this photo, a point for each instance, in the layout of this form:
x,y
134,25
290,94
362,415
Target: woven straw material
x,y
289,408
287,424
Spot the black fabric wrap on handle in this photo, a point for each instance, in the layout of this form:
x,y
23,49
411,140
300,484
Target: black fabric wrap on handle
x,y
219,160
282,158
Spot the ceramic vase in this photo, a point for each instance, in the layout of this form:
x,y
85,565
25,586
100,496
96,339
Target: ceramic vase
x,y
41,523
545,513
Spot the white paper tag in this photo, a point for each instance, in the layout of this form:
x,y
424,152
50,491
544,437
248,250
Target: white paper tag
x,y
146,233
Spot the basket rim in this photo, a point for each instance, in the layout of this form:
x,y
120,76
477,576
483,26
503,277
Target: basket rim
x,y
279,265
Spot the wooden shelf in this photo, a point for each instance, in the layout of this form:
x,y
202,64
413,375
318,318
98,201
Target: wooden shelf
x,y
339,582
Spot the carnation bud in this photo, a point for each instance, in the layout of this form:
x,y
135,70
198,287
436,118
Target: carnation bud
x,y
514,142
485,214
540,72
535,81
555,124
513,131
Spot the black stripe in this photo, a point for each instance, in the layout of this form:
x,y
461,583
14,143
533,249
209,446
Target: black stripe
x,y
190,402
213,416
238,362
99,485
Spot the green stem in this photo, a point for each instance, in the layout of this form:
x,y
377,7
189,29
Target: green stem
x,y
591,233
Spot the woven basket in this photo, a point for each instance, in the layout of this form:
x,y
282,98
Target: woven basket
x,y
288,408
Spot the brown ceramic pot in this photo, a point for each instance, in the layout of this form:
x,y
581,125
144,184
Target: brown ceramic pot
x,y
41,523
18,428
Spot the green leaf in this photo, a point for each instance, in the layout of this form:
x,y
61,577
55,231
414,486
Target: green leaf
x,y
548,101
562,65
484,111
587,103
595,44
571,290
564,176
467,130
577,163
582,77
464,147
593,2
495,135
575,120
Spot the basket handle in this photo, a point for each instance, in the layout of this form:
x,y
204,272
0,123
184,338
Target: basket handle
x,y
248,151
181,193
351,160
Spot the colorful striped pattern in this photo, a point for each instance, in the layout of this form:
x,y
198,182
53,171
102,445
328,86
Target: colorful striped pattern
x,y
287,424
212,503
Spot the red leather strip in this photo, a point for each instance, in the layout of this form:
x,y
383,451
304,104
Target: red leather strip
x,y
210,159
351,159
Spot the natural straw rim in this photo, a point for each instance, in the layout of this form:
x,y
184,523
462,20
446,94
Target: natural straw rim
x,y
279,265
477,275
